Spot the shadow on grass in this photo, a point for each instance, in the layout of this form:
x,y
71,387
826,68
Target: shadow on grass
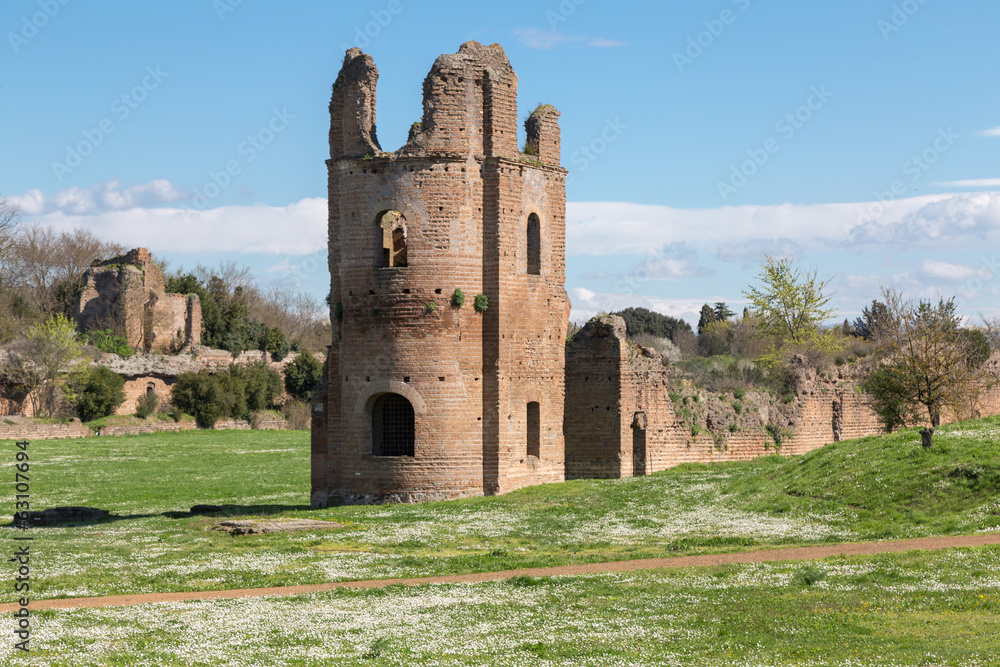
x,y
223,511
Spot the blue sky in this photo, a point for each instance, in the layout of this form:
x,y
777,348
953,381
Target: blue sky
x,y
699,135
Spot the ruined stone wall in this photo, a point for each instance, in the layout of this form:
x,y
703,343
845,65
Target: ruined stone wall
x,y
148,426
21,428
593,407
630,405
460,194
158,373
127,294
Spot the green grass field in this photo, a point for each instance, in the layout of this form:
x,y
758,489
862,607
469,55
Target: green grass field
x,y
907,609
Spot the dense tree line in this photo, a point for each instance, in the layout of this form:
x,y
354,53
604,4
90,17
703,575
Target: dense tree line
x,y
644,321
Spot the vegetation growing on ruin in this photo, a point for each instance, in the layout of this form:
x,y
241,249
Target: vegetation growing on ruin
x,y
107,340
481,303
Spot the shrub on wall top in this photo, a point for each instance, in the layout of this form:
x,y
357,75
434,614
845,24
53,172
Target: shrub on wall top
x,y
481,303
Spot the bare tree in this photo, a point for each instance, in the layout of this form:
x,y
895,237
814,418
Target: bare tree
x,y
49,265
10,215
925,364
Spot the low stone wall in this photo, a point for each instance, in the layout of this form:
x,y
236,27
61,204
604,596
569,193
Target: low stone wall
x,y
159,426
22,428
149,426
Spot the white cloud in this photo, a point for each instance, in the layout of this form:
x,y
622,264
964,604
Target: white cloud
x,y
125,215
544,40
947,271
743,233
973,183
995,132
102,197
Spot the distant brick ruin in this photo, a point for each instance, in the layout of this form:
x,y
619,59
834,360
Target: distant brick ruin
x,y
127,294
425,399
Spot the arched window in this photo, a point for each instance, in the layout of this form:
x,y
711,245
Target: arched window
x,y
392,426
534,245
391,233
534,429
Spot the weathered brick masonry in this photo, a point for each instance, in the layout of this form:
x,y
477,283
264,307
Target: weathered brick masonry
x,y
127,294
621,420
424,399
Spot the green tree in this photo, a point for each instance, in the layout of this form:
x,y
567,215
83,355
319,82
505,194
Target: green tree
x,y
873,319
644,321
259,384
926,364
789,304
707,317
715,338
200,394
39,364
302,375
99,393
722,312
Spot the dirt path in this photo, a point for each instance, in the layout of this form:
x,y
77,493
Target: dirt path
x,y
762,556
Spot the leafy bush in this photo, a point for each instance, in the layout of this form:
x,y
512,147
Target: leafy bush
x,y
481,303
260,386
275,343
147,405
108,341
458,298
99,393
302,375
669,352
200,394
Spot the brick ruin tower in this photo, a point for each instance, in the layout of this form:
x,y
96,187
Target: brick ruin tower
x,y
426,397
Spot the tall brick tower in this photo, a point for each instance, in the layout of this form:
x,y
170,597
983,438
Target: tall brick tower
x,y
426,399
